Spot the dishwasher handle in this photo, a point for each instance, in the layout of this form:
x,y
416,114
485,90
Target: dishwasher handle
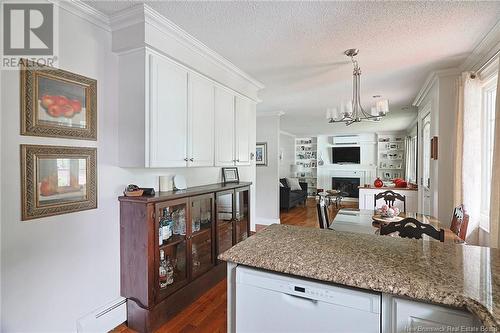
x,y
300,301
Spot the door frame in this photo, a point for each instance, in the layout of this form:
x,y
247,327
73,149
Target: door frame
x,y
423,113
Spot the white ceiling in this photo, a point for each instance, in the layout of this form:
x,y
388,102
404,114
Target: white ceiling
x,y
296,49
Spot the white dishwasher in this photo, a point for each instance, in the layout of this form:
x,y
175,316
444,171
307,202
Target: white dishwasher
x,y
270,302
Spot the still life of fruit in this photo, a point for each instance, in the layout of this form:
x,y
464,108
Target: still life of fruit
x,y
49,186
61,106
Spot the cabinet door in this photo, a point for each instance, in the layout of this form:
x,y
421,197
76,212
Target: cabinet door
x,y
174,245
202,234
224,128
410,316
241,216
168,114
243,111
224,209
201,122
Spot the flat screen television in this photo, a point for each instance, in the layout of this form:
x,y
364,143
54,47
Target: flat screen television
x,y
345,155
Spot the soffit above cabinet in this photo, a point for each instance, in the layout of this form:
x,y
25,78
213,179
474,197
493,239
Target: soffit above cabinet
x,y
140,26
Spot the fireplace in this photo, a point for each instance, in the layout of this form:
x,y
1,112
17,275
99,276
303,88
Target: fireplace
x,y
348,185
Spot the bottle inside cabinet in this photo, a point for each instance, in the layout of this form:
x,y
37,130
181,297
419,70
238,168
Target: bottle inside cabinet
x,y
172,268
172,224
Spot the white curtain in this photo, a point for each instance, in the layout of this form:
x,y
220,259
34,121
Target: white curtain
x,y
459,142
471,153
495,177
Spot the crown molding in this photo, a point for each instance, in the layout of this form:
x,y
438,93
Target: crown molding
x,y
147,15
429,82
287,133
270,113
484,50
84,11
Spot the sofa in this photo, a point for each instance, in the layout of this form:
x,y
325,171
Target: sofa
x,y
290,199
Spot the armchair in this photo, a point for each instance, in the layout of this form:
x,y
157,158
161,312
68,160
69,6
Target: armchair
x,y
290,199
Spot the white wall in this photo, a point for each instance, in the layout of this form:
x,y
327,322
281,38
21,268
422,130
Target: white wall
x,y
287,151
55,270
441,97
268,130
366,169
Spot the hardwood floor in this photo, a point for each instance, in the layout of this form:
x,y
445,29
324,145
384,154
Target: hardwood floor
x,y
306,215
208,313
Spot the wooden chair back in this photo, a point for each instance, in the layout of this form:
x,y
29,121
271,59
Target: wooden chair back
x,y
322,215
459,222
390,198
412,228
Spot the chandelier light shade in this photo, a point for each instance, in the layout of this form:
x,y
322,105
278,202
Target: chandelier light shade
x,y
352,111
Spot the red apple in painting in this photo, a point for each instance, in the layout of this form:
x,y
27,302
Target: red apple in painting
x,y
54,110
47,101
47,187
76,105
61,100
67,111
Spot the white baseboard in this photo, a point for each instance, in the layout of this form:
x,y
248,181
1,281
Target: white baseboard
x,y
266,221
105,318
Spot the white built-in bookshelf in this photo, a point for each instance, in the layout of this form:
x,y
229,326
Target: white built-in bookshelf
x,y
306,152
391,156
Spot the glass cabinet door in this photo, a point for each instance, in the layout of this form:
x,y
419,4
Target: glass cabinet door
x,y
224,211
171,254
202,254
241,214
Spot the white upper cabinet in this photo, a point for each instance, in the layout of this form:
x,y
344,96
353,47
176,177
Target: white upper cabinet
x,y
224,128
201,122
168,113
172,116
243,112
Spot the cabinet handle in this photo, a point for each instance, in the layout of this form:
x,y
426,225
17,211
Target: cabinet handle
x,y
186,159
237,160
191,159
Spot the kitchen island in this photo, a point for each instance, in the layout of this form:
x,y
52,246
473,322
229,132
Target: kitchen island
x,y
407,274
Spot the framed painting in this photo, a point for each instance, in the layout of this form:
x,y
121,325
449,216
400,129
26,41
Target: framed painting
x,y
57,180
261,154
57,103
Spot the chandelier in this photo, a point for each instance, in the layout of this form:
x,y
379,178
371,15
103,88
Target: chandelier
x,y
352,112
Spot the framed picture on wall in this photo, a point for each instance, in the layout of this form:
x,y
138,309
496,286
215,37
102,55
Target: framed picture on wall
x,y
230,175
57,180
57,103
261,154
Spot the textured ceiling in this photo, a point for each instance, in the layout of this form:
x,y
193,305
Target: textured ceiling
x,y
296,49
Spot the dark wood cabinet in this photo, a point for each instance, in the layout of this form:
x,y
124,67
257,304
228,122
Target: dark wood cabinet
x,y
202,221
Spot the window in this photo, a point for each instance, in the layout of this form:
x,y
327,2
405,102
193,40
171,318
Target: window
x,y
488,125
411,159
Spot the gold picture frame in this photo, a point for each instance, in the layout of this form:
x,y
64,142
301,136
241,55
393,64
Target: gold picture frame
x,y
57,180
57,103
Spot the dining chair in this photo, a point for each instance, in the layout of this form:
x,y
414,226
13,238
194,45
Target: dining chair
x,y
412,228
390,198
341,194
459,222
322,210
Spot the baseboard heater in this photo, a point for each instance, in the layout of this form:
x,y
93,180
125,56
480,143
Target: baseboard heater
x,y
105,318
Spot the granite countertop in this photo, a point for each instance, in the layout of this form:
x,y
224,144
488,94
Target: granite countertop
x,y
463,276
